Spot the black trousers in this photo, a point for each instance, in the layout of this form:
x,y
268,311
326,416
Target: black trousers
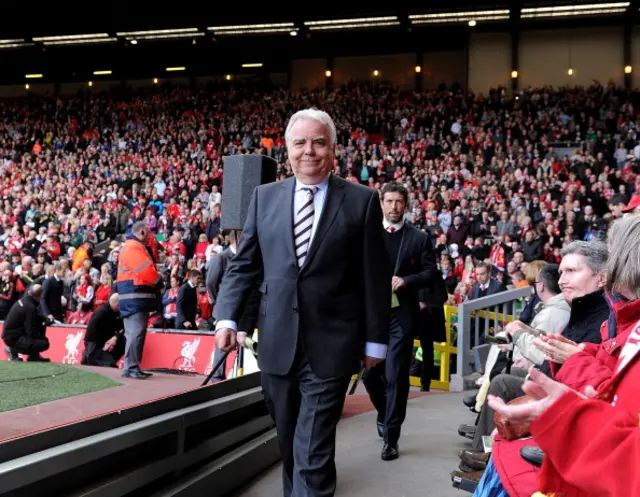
x,y
27,345
93,355
306,410
388,383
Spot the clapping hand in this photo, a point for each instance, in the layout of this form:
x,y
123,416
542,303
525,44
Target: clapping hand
x,y
557,348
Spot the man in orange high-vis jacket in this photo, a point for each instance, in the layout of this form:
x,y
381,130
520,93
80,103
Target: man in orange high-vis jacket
x,y
138,285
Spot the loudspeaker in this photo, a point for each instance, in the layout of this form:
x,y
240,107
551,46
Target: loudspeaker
x,y
242,173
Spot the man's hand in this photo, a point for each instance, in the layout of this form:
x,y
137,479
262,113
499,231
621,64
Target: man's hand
x,y
396,282
240,337
226,339
187,324
110,344
557,348
540,387
371,362
514,326
423,306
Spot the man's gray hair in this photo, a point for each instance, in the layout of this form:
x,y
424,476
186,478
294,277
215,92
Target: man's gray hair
x,y
623,272
312,115
595,253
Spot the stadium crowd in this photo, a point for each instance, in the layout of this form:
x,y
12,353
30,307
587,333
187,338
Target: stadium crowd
x,y
485,180
507,187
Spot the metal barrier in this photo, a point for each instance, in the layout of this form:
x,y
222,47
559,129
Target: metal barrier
x,y
488,312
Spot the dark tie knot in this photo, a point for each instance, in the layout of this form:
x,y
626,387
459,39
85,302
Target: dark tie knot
x,y
311,190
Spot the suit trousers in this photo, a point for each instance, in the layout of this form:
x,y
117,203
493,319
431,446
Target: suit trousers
x,y
306,410
505,386
135,331
388,382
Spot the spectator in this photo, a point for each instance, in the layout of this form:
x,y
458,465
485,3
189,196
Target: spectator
x,y
24,330
187,302
582,281
485,285
104,341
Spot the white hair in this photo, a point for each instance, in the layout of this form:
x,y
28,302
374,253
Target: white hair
x,y
312,115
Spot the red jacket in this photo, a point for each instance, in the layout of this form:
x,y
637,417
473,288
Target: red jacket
x,y
592,446
593,366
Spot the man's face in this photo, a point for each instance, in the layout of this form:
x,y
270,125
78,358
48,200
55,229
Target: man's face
x,y
576,279
518,258
196,280
310,151
393,207
482,275
616,209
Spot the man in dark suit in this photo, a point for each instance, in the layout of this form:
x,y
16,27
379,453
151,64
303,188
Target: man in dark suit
x,y
318,243
486,285
215,272
187,302
52,292
414,267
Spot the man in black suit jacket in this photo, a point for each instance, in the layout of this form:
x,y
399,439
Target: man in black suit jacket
x,y
414,267
187,302
317,241
486,285
52,292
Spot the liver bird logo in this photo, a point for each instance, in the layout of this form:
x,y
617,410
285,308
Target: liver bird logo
x,y
188,355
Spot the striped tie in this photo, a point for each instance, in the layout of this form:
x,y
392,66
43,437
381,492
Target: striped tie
x,y
302,225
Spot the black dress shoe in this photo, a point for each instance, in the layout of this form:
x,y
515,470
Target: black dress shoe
x,y
389,452
470,401
135,375
467,431
533,455
380,427
145,373
425,388
12,355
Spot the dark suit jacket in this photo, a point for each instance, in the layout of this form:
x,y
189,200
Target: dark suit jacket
x,y
186,306
52,291
494,287
338,300
215,272
416,265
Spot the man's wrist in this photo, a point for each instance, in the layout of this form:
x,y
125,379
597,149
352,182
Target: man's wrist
x,y
227,323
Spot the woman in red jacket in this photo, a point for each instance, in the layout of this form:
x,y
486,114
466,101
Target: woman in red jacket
x,y
591,439
103,292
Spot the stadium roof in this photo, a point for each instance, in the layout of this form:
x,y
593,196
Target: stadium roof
x,y
70,39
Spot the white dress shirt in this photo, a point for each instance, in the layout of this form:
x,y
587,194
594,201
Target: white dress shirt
x,y
372,349
396,227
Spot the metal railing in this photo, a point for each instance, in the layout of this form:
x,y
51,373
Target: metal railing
x,y
485,313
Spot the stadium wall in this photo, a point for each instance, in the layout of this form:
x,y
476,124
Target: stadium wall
x,y
489,61
592,53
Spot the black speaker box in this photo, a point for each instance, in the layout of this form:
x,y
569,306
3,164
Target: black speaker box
x,y
242,173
